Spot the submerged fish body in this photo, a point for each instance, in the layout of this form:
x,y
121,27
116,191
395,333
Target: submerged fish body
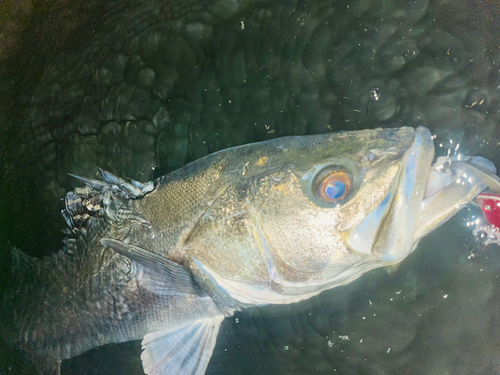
x,y
274,222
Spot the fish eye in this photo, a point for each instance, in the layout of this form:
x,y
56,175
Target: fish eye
x,y
333,186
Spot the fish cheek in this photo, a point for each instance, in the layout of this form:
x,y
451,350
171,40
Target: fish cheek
x,y
300,236
373,185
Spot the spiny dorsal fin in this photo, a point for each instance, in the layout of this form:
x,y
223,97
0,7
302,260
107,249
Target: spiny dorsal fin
x,y
22,264
109,199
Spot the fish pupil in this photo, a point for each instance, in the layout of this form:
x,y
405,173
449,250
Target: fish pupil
x,y
335,190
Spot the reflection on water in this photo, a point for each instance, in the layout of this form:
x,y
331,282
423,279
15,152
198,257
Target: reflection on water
x,y
141,89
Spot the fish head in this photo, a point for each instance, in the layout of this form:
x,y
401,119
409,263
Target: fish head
x,y
322,210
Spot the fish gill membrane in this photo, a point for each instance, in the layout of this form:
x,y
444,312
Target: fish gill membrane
x,y
274,222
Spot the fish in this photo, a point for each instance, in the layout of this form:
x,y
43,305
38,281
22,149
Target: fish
x,y
274,222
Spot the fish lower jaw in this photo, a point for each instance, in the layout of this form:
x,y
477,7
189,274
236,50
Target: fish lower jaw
x,y
247,294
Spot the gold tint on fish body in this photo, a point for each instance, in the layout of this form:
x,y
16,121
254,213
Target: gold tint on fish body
x,y
267,193
262,161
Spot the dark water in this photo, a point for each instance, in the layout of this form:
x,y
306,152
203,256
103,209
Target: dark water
x,y
140,89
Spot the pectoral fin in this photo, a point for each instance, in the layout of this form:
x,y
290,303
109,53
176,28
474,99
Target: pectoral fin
x,y
185,349
159,274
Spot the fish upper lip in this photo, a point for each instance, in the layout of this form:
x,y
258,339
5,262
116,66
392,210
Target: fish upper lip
x,y
402,216
400,207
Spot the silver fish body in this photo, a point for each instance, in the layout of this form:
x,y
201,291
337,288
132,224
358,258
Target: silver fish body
x,y
274,222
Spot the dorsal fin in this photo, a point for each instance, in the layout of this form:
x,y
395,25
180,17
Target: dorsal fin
x,y
108,199
22,268
21,262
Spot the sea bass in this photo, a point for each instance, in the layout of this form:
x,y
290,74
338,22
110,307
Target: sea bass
x,y
274,222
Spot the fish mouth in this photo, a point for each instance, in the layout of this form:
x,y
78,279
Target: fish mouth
x,y
451,185
425,195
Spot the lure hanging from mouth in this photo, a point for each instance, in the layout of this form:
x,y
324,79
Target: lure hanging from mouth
x,y
489,202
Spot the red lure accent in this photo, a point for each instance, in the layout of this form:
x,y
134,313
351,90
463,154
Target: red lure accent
x,y
490,206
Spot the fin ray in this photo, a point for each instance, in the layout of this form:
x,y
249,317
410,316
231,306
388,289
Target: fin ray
x,y
184,349
160,275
